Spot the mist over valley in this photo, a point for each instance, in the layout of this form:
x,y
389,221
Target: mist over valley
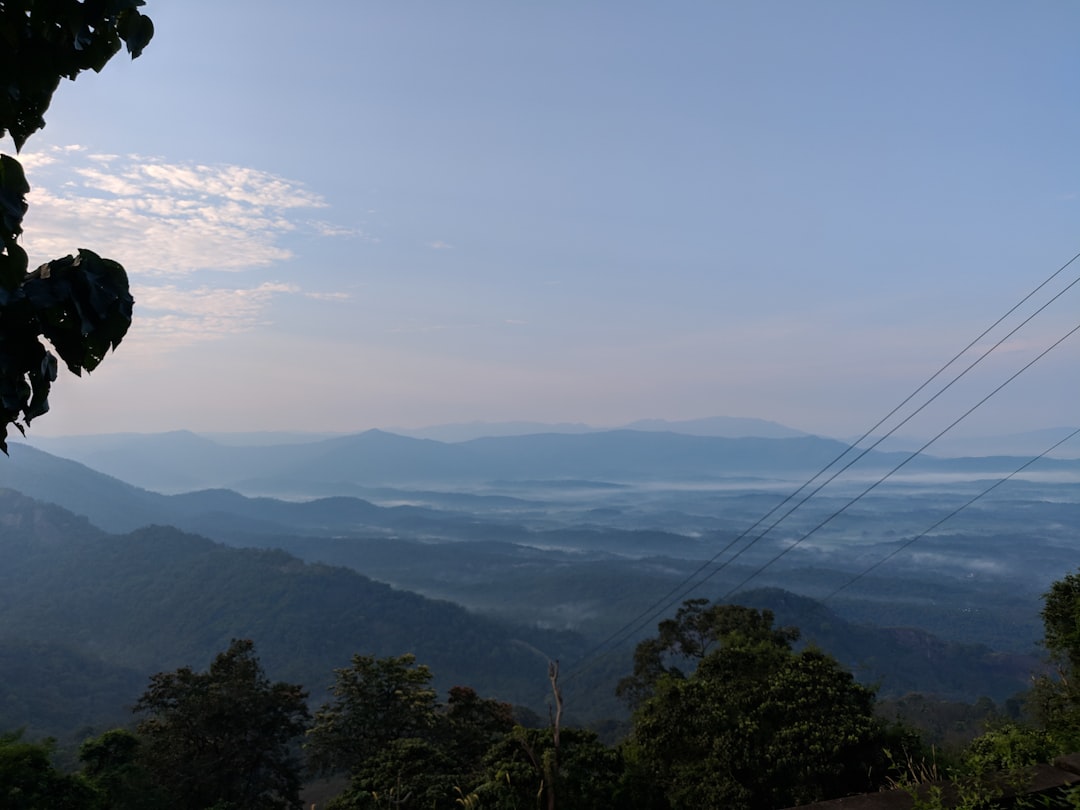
x,y
561,541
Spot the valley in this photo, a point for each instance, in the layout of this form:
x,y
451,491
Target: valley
x,y
567,547
541,563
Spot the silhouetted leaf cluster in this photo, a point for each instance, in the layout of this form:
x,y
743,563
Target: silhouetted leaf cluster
x,y
80,304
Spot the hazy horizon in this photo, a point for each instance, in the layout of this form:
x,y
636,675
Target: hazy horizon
x,y
444,214
958,443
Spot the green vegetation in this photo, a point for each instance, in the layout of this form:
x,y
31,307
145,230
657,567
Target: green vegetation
x,y
997,764
1056,697
82,596
29,781
398,746
224,736
706,736
375,702
718,691
727,714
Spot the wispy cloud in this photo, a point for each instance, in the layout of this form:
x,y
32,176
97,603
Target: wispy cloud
x,y
417,327
330,229
171,316
440,245
164,221
160,218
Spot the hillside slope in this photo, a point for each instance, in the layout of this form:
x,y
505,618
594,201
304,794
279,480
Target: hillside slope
x,y
158,598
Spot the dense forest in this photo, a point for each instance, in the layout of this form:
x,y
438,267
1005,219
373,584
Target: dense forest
x,y
726,713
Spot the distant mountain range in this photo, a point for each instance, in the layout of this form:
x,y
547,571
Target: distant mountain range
x,y
728,427
1026,444
179,461
183,461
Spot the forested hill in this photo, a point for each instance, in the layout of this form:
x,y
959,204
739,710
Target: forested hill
x,y
156,599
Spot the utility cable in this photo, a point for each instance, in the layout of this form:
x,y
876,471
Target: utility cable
x,y
819,604
951,515
903,463
685,585
665,601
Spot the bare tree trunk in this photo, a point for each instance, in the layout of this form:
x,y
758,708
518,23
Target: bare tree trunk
x,y
556,720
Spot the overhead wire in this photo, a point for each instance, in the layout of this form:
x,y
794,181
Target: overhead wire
x,y
899,466
903,422
982,494
688,583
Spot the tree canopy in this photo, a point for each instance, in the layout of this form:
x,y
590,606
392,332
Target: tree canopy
x,y
755,724
384,728
224,735
81,304
1056,697
30,781
375,701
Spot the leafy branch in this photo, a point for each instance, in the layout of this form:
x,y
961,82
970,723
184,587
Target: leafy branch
x,y
80,304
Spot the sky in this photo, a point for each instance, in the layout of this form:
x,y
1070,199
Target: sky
x,y
350,215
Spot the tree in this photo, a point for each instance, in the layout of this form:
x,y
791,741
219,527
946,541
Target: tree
x,y
29,781
1061,623
689,637
407,773
468,725
225,736
517,775
80,304
1056,698
400,747
375,701
756,724
112,764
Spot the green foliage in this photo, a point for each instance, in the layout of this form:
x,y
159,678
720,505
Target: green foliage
x,y
375,701
756,725
226,735
1061,621
399,747
468,725
688,638
1055,699
1008,748
997,764
29,781
993,772
112,765
81,303
517,772
408,773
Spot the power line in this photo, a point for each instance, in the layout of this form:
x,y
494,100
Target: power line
x,y
903,463
903,546
899,425
684,586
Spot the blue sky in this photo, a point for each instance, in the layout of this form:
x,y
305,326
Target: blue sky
x,y
357,214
